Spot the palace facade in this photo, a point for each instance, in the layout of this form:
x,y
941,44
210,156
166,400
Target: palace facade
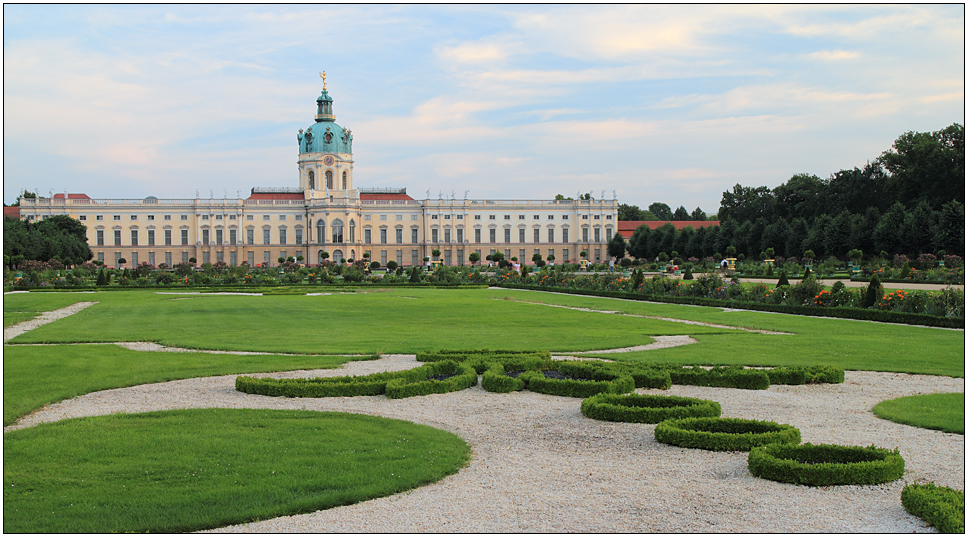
x,y
326,212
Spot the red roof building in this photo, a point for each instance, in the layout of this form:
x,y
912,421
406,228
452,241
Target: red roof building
x,y
72,197
11,212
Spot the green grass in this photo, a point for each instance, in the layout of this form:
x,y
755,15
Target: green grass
x,y
37,375
396,321
20,307
939,411
199,469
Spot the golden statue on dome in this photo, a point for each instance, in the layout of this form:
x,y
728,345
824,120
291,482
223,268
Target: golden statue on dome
x,y
323,76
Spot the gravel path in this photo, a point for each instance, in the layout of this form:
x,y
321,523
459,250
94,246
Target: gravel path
x,y
540,466
11,332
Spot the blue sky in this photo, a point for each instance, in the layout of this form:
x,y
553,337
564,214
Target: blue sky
x,y
669,103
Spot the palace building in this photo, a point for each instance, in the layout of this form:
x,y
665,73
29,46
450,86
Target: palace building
x,y
326,212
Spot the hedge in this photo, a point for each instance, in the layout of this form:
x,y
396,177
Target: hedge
x,y
394,384
374,384
644,375
637,408
724,434
722,377
818,374
839,312
418,382
824,464
536,381
479,360
495,380
942,507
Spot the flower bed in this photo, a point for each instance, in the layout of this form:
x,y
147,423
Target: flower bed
x,y
637,408
824,464
724,434
942,507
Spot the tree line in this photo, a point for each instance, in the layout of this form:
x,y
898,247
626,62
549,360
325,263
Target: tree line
x,y
59,237
658,211
910,200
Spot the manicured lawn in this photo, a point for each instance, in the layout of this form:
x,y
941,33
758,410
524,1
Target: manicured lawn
x,y
37,375
940,411
20,307
189,470
397,321
854,345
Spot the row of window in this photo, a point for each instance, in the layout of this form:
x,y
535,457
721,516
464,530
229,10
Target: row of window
x,y
337,235
167,217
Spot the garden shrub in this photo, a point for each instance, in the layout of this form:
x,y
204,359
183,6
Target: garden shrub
x,y
536,381
724,434
419,382
722,377
817,374
636,408
495,380
824,464
942,507
375,384
479,360
644,375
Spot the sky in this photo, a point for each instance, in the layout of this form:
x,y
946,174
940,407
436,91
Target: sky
x,y
668,103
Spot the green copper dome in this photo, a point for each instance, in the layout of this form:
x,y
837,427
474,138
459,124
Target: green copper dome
x,y
325,136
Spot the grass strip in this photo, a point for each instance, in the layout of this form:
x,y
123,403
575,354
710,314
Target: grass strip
x,y
938,411
201,469
34,376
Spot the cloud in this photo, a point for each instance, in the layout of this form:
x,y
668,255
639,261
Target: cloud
x,y
834,55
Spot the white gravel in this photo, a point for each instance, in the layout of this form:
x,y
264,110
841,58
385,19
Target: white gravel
x,y
540,466
11,332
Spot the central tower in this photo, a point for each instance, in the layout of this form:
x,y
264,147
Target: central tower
x,y
326,153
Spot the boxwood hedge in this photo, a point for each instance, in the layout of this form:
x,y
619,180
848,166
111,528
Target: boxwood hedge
x,y
723,377
636,408
586,381
480,359
824,464
375,384
419,382
496,380
818,374
724,434
942,507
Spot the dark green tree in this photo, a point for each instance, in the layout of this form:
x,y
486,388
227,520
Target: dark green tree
x,y
639,242
950,234
615,247
928,166
697,215
681,214
661,211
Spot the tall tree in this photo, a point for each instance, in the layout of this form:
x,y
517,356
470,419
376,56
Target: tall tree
x,y
888,234
746,203
639,243
616,246
629,212
919,229
661,211
928,166
681,214
800,197
950,235
698,215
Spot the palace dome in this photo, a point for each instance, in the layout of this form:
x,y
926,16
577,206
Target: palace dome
x,y
325,136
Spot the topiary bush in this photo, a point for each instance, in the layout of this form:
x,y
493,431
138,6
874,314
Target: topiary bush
x,y
420,381
723,377
480,360
942,507
582,384
817,374
824,464
637,408
375,384
495,380
724,434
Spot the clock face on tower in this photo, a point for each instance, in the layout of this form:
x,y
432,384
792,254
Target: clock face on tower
x,y
328,160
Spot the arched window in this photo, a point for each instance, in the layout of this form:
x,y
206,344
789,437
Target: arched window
x,y
329,179
337,232
312,180
344,181
321,231
337,256
352,230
